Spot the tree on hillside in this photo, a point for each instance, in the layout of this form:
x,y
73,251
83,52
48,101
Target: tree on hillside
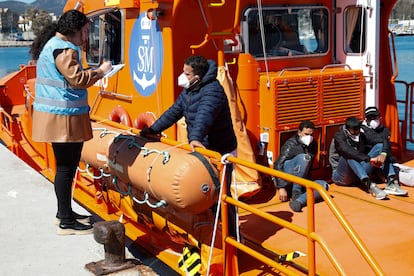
x,y
39,19
403,10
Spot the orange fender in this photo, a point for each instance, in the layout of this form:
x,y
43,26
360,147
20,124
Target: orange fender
x,y
120,115
145,119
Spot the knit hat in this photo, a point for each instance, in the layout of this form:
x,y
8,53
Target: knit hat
x,y
371,111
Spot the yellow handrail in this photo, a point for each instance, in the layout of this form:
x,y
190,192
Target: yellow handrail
x,y
308,233
229,244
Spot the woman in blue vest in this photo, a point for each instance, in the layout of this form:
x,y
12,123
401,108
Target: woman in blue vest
x,y
60,109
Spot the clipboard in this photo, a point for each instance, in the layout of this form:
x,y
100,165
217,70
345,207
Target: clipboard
x,y
114,70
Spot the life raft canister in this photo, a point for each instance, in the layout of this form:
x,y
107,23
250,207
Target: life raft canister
x,y
185,181
120,115
145,119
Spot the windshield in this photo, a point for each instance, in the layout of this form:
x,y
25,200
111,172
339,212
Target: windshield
x,y
105,39
287,31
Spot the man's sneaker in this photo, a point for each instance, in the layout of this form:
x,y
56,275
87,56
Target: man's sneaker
x,y
78,217
393,188
377,192
296,205
296,194
74,228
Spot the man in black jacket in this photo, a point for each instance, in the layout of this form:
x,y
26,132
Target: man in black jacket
x,y
296,157
378,140
204,106
355,162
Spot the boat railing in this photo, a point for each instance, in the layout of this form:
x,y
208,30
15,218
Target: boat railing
x,y
230,244
7,124
407,103
309,233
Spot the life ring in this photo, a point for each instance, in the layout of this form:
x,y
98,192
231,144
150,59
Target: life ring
x,y
145,119
120,115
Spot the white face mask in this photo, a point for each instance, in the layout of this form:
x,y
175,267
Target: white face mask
x,y
183,81
306,139
374,123
353,137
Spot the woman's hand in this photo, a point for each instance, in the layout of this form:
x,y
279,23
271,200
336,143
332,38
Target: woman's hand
x,y
105,67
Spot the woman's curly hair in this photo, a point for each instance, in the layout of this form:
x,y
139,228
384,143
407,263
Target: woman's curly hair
x,y
69,23
40,40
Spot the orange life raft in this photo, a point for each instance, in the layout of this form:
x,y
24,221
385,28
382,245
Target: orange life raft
x,y
183,180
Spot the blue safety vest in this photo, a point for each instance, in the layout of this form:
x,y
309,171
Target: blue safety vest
x,y
53,92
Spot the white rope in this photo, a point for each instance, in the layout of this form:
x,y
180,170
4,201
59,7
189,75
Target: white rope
x,y
225,162
203,13
262,35
87,171
148,172
215,224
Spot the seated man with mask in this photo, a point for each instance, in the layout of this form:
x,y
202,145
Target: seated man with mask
x,y
296,158
351,160
378,141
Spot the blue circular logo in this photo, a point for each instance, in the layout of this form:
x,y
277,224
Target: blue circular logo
x,y
146,55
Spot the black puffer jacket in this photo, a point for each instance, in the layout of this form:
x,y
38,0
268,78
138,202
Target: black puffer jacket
x,y
207,114
289,150
350,149
379,135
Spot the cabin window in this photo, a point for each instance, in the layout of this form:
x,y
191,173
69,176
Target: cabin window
x,y
354,30
286,31
105,39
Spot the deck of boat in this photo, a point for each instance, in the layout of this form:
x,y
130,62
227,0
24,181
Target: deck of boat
x,y
384,226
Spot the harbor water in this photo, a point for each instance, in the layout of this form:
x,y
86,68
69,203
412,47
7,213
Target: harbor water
x,y
11,58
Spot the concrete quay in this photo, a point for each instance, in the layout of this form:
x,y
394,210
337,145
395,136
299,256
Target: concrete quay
x,y
29,243
15,43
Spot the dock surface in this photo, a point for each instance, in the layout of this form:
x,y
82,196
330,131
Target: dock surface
x,y
29,243
15,43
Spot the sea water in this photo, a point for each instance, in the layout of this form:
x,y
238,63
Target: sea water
x,y
404,46
11,58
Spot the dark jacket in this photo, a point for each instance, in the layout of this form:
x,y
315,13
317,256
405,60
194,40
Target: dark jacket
x,y
350,149
207,114
292,147
379,135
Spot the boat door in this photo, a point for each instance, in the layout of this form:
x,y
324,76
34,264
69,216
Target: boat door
x,y
357,45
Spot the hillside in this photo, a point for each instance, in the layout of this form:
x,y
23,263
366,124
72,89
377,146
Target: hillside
x,y
51,6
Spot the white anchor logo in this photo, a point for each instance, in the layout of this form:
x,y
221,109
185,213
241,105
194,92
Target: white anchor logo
x,y
146,55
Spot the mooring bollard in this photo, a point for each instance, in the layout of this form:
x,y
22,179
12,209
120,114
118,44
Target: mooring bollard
x,y
112,235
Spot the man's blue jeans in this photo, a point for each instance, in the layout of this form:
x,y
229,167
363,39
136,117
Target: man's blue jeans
x,y
350,171
299,166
